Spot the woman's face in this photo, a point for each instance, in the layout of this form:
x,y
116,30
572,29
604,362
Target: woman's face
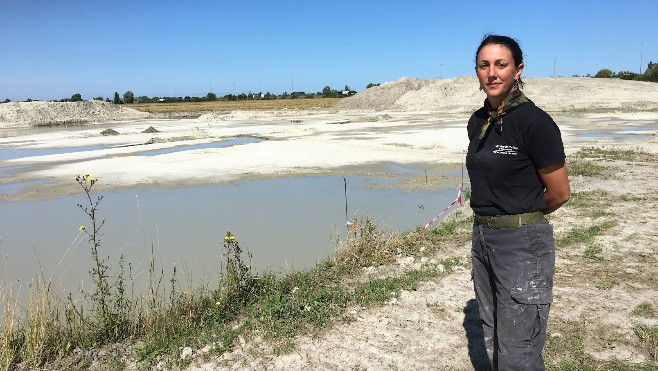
x,y
496,71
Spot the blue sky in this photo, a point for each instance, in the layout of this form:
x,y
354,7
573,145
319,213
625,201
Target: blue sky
x,y
53,49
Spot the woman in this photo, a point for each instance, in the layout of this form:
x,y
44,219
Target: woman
x,y
516,163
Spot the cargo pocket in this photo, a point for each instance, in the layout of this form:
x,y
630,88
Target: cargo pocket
x,y
532,295
534,280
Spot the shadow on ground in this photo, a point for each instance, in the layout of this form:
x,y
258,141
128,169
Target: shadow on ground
x,y
476,349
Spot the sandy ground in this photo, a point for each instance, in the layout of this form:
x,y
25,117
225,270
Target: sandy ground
x,y
436,326
289,144
424,327
409,121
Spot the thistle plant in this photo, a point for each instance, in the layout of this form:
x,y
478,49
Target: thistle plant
x,y
110,308
238,282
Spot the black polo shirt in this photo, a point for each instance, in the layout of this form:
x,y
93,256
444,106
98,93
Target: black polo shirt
x,y
503,165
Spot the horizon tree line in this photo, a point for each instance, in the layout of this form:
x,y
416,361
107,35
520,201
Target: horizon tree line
x,y
129,97
650,74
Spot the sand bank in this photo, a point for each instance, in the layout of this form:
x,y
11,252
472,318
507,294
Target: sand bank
x,y
409,121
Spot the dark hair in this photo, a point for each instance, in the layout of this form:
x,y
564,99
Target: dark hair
x,y
507,42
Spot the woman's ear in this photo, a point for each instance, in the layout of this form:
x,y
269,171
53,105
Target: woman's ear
x,y
519,69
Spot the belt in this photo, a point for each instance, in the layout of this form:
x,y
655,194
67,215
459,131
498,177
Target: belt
x,y
509,221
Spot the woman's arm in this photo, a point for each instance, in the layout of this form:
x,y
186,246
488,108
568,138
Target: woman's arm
x,y
558,191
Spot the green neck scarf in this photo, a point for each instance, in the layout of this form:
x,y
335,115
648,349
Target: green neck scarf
x,y
513,100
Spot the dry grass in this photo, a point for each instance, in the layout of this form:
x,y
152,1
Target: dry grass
x,y
9,330
43,338
368,244
248,105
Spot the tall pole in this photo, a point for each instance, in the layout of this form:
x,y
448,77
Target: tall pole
x,y
553,67
346,219
292,85
441,70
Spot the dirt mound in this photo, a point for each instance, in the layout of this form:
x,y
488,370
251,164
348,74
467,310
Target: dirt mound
x,y
109,132
191,134
151,129
462,95
197,133
214,116
62,113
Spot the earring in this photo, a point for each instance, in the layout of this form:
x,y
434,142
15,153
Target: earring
x,y
480,87
517,85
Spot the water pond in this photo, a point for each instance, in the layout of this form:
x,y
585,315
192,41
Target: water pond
x,y
286,223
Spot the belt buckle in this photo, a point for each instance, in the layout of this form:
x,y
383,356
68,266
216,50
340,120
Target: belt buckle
x,y
491,222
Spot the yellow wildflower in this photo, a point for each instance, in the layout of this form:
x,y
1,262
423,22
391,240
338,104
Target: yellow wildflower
x,y
185,292
82,227
218,303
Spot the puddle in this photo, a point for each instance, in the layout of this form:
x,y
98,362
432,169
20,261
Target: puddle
x,y
460,172
639,129
222,144
29,130
11,188
11,154
288,223
404,169
596,134
7,170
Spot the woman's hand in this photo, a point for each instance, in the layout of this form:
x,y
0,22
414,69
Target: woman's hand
x,y
558,191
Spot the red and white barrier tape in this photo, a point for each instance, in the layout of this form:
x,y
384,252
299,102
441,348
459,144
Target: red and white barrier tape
x,y
457,201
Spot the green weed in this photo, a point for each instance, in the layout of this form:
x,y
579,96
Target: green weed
x,y
605,284
599,214
649,337
586,168
644,310
565,351
146,352
453,226
565,346
593,252
613,154
639,198
590,199
581,235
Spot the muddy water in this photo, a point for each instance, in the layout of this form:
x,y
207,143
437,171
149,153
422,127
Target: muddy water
x,y
287,223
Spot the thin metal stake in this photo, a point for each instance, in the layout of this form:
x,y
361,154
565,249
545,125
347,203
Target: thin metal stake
x,y
346,220
463,153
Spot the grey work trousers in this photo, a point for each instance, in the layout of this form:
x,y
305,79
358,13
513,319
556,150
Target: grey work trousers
x,y
513,279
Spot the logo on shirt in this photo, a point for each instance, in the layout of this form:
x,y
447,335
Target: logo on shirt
x,y
506,150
